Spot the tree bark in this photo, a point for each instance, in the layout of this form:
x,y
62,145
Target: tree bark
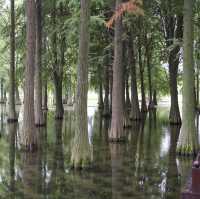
x,y
135,108
58,70
39,121
12,112
188,139
116,132
29,139
106,111
141,66
81,151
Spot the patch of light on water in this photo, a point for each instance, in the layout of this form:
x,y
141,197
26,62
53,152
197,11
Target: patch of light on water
x,y
165,142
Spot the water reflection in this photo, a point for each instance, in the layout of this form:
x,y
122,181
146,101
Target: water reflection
x,y
145,166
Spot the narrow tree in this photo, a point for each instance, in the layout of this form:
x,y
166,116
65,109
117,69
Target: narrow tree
x,y
57,67
38,66
116,131
188,140
81,152
12,112
135,108
28,132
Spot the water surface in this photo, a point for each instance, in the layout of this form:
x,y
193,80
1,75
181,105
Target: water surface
x,y
145,166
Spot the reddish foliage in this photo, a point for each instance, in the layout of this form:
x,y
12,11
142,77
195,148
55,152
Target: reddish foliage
x,y
130,6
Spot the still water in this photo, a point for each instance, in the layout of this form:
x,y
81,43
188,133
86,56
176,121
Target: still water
x,y
145,167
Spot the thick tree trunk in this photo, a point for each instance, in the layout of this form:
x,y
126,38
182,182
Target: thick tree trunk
x,y
81,151
116,132
174,116
188,139
39,121
29,139
135,108
12,111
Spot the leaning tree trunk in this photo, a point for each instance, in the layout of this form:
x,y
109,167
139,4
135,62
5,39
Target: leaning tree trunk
x,y
135,108
39,121
188,139
81,151
12,112
116,132
29,140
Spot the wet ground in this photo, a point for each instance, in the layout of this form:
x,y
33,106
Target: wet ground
x,y
144,167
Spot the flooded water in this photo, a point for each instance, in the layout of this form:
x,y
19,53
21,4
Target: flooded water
x,y
144,167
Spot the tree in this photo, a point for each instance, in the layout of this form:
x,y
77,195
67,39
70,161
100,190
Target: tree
x,y
188,140
173,33
12,112
81,152
116,130
28,131
39,121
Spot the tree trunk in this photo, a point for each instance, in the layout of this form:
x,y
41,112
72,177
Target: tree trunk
x,y
2,92
155,98
58,70
141,66
100,95
106,111
151,104
58,98
29,139
128,101
45,96
116,132
188,139
12,112
39,121
17,97
174,116
81,151
135,108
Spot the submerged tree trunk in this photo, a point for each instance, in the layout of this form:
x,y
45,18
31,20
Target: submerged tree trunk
x,y
106,111
151,104
58,68
141,66
100,95
135,108
12,112
39,121
29,140
116,132
188,139
174,116
81,151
